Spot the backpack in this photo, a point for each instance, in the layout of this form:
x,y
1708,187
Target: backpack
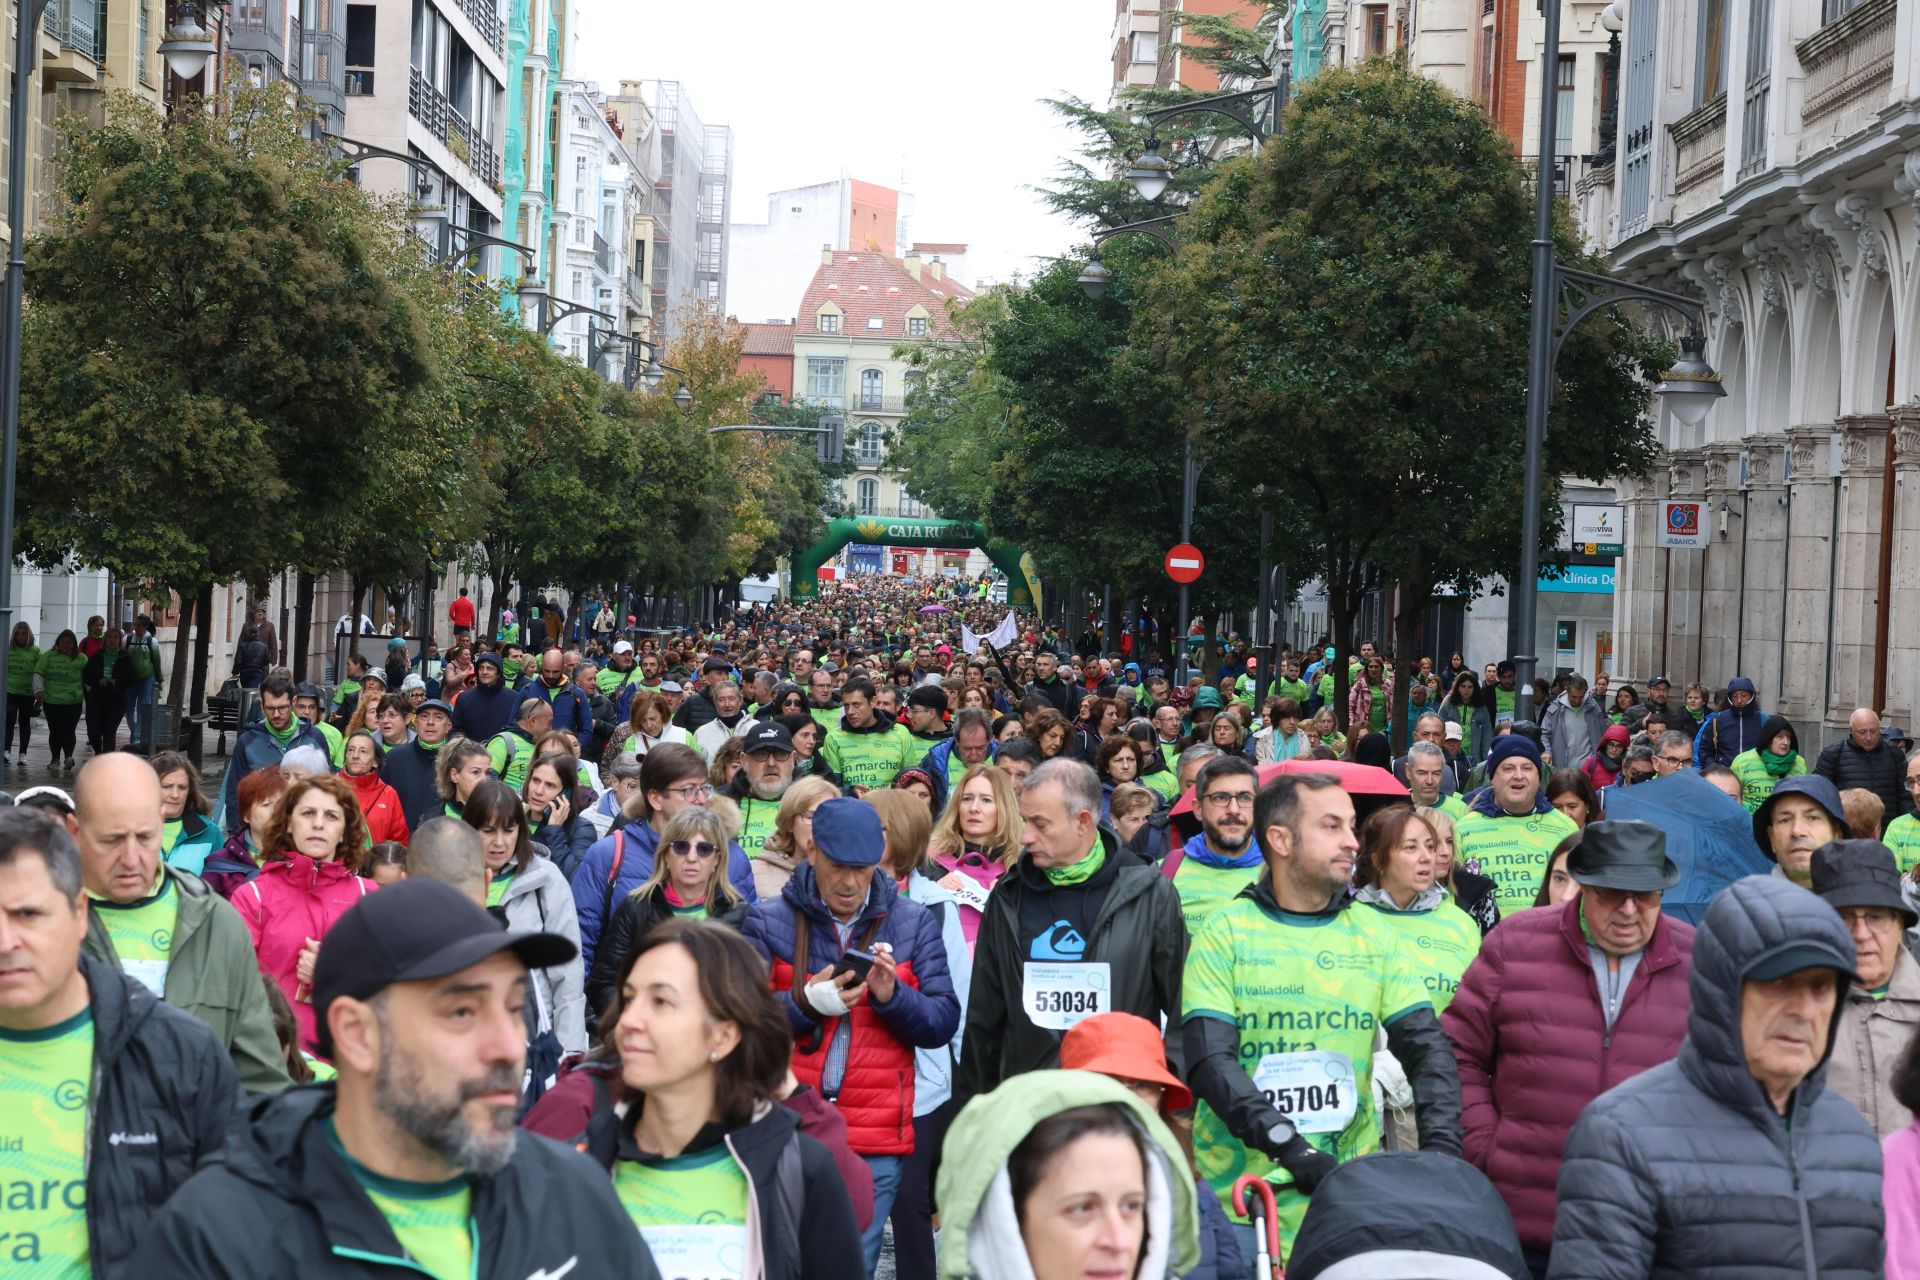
x,y
140,654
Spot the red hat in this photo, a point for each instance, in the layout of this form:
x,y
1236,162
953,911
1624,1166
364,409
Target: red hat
x,y
1127,1046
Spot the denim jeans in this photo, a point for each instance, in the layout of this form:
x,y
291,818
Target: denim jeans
x,y
886,1182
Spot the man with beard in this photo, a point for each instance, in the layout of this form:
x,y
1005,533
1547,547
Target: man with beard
x,y
412,1160
760,786
1214,866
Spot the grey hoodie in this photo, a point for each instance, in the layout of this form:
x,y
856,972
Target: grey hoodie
x,y
539,898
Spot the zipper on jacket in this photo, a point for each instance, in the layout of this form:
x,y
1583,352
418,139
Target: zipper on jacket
x,y
407,1264
1806,1216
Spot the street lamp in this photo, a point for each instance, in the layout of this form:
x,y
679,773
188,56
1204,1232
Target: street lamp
x,y
1151,173
1691,386
1094,277
188,47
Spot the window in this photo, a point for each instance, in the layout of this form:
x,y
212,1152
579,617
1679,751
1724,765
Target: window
x,y
1711,80
1145,47
873,385
1637,103
579,168
915,379
910,507
1832,9
826,381
1376,30
1563,106
875,322
916,326
866,500
829,322
141,57
360,43
579,288
579,230
871,444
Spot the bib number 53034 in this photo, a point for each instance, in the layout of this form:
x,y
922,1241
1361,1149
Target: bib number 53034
x,y
1057,996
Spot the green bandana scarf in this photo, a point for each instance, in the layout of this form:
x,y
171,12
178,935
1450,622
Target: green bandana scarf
x,y
1081,871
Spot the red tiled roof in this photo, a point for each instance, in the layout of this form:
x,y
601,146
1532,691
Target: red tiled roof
x,y
865,284
768,340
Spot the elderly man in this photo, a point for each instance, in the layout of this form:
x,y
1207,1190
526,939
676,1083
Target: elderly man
x,y
1562,1004
1803,813
1672,752
411,1161
1863,759
761,785
1882,1007
1429,782
1735,1159
729,719
166,929
1571,727
510,752
1510,830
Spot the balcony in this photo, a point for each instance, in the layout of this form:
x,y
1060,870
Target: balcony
x,y
1753,127
602,253
876,404
430,107
486,19
323,56
81,28
359,82
1700,141
1849,65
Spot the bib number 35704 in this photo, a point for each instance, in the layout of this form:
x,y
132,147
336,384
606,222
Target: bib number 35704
x,y
1056,996
1314,1088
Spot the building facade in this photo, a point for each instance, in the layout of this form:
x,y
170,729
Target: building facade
x,y
857,309
768,352
772,261
692,168
1147,53
596,189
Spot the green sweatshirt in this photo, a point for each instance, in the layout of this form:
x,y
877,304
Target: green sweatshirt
x,y
22,662
60,676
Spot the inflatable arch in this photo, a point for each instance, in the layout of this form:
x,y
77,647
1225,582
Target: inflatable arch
x,y
1023,587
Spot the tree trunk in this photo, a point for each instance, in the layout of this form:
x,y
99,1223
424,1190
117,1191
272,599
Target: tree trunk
x,y
302,637
501,580
202,638
177,681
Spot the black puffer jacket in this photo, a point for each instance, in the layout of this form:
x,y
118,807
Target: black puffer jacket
x,y
1687,1171
282,1202
1406,1215
162,1097
633,919
1882,771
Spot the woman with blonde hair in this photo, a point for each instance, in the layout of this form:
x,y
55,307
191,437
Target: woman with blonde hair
x,y
1472,892
689,880
977,839
792,840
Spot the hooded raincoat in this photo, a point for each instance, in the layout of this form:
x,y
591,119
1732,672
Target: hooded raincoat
x,y
292,899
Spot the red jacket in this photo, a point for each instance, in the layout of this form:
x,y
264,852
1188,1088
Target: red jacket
x,y
380,806
292,899
1531,1039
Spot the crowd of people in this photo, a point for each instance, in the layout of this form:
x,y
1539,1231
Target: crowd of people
x,y
834,931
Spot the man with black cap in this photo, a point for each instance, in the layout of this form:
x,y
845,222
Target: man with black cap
x,y
759,788
409,767
412,1160
1803,813
1882,1007
862,973
1510,830
1734,1159
1561,1004
926,715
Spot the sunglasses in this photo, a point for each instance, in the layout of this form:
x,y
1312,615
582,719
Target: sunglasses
x,y
699,848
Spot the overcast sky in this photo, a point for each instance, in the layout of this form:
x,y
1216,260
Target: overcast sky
x,y
942,99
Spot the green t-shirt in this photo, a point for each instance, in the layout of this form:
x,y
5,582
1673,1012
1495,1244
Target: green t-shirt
x,y
610,682
756,823
1503,702
1454,807
1444,942
828,718
1308,994
1514,849
690,1209
336,745
433,1221
346,689
170,835
44,1088
498,886
511,755
1903,837
869,759
1295,689
1204,889
142,934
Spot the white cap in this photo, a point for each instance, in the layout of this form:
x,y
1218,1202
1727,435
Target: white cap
x,y
622,646
1452,731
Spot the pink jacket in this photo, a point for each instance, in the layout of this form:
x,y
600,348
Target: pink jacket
x,y
1901,1195
292,899
1533,1047
972,876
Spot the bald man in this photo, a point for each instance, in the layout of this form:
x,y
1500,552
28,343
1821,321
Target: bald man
x,y
164,927
1865,759
448,850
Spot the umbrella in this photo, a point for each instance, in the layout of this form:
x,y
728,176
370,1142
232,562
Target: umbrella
x,y
1373,785
933,608
1709,836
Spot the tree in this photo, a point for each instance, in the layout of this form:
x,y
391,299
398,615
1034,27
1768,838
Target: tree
x,y
1360,292
211,351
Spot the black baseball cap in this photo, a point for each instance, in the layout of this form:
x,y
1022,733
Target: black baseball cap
x,y
434,704
411,931
769,737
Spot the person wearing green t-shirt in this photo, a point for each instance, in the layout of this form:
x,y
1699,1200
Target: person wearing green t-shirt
x,y
510,752
1761,769
23,662
306,706
762,784
823,703
1397,878
866,750
94,1070
60,692
1212,868
1510,830
1286,988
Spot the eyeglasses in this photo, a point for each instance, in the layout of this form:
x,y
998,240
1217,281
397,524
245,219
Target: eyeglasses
x,y
692,791
1676,760
1867,917
699,848
1229,799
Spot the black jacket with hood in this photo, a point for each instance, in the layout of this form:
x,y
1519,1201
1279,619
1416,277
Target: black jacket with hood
x,y
484,710
281,1201
798,1213
162,1097
1687,1171
1138,930
1406,1215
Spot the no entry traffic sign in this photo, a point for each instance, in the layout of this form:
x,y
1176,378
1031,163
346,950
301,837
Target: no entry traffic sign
x,y
1185,563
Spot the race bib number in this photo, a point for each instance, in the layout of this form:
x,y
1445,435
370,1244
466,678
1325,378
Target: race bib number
x,y
969,892
1057,996
698,1252
1315,1088
151,974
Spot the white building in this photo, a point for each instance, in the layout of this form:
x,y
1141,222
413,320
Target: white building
x,y
1795,219
772,261
597,189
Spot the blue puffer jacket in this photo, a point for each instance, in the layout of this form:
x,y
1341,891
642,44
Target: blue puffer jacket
x,y
1725,734
255,748
1686,1172
590,893
571,710
875,1092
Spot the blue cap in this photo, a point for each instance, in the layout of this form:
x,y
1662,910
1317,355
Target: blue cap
x,y
849,832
